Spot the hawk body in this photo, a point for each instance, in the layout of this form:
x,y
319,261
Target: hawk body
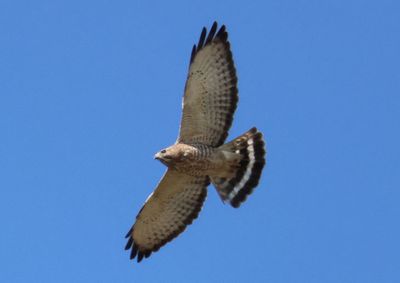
x,y
191,159
199,155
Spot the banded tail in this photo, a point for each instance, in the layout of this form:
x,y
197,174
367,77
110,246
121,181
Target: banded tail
x,y
245,158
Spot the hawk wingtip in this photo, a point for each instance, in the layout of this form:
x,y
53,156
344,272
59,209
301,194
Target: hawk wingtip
x,y
129,243
129,233
205,39
211,34
134,251
140,256
222,34
193,53
202,38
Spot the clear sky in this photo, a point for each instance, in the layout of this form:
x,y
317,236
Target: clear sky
x,y
90,90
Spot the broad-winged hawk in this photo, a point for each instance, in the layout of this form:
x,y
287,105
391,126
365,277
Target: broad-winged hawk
x,y
200,156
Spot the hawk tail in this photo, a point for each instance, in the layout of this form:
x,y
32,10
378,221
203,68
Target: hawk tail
x,y
245,159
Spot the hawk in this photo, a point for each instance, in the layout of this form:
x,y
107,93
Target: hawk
x,y
199,156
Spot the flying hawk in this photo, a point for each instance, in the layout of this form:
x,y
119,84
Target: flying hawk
x,y
199,156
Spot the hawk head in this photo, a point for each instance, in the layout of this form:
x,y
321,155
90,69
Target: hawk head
x,y
170,155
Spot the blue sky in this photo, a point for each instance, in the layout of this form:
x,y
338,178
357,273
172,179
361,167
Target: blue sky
x,y
90,90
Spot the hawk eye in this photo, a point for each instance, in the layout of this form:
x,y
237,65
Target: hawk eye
x,y
163,151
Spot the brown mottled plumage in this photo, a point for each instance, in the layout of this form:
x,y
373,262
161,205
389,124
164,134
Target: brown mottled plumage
x,y
200,156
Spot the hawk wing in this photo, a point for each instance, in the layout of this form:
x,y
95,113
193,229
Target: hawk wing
x,y
210,96
174,204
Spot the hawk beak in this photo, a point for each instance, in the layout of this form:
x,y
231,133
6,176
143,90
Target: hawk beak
x,y
157,156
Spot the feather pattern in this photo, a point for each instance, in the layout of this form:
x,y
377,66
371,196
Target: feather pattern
x,y
175,203
211,93
199,154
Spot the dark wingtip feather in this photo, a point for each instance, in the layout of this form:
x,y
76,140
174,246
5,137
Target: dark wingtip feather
x,y
140,256
222,34
129,233
129,243
134,251
205,39
202,38
211,34
193,53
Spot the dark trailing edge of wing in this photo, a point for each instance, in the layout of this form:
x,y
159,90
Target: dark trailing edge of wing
x,y
136,252
213,34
